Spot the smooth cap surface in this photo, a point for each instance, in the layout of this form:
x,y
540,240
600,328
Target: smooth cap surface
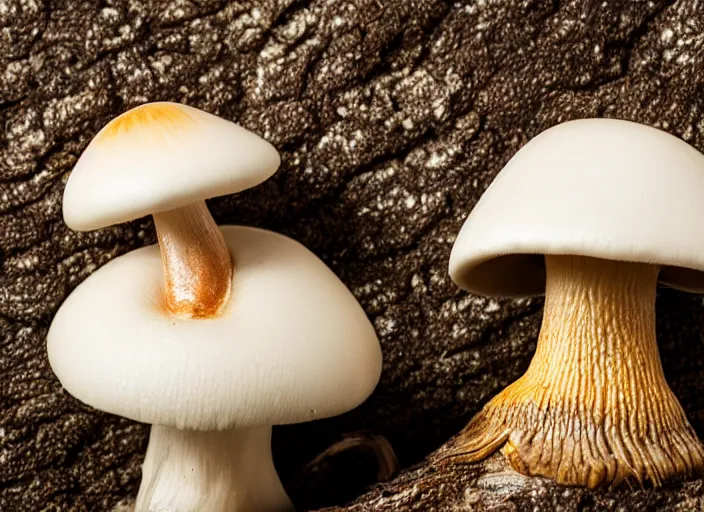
x,y
160,156
293,345
595,187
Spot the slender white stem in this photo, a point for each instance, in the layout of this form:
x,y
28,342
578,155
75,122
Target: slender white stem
x,y
196,471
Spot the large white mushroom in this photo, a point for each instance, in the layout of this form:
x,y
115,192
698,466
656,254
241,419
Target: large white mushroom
x,y
593,213
217,334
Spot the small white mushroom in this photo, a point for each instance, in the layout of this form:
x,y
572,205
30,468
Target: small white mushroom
x,y
165,159
289,343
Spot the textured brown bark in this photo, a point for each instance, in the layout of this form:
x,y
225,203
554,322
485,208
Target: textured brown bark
x,y
392,117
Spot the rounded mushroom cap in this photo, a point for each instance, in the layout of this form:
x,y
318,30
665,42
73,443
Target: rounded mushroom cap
x,y
595,187
160,156
293,345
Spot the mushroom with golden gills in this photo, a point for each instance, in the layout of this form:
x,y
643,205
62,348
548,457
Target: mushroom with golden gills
x,y
592,213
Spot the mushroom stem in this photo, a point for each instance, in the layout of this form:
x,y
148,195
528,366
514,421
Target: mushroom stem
x,y
217,471
197,264
594,407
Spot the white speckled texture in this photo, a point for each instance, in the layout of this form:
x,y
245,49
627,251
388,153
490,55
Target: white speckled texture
x,y
382,160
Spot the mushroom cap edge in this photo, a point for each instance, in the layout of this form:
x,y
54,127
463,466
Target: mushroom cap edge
x,y
293,345
158,157
603,188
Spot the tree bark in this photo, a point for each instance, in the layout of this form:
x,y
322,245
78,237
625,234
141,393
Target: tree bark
x,y
392,117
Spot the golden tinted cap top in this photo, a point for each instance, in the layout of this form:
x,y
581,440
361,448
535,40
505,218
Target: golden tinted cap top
x,y
158,157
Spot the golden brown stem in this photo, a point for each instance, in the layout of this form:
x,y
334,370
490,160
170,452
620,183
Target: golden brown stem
x,y
197,264
593,408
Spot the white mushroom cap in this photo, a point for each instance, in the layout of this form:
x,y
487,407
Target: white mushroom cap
x,y
597,187
158,157
293,345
